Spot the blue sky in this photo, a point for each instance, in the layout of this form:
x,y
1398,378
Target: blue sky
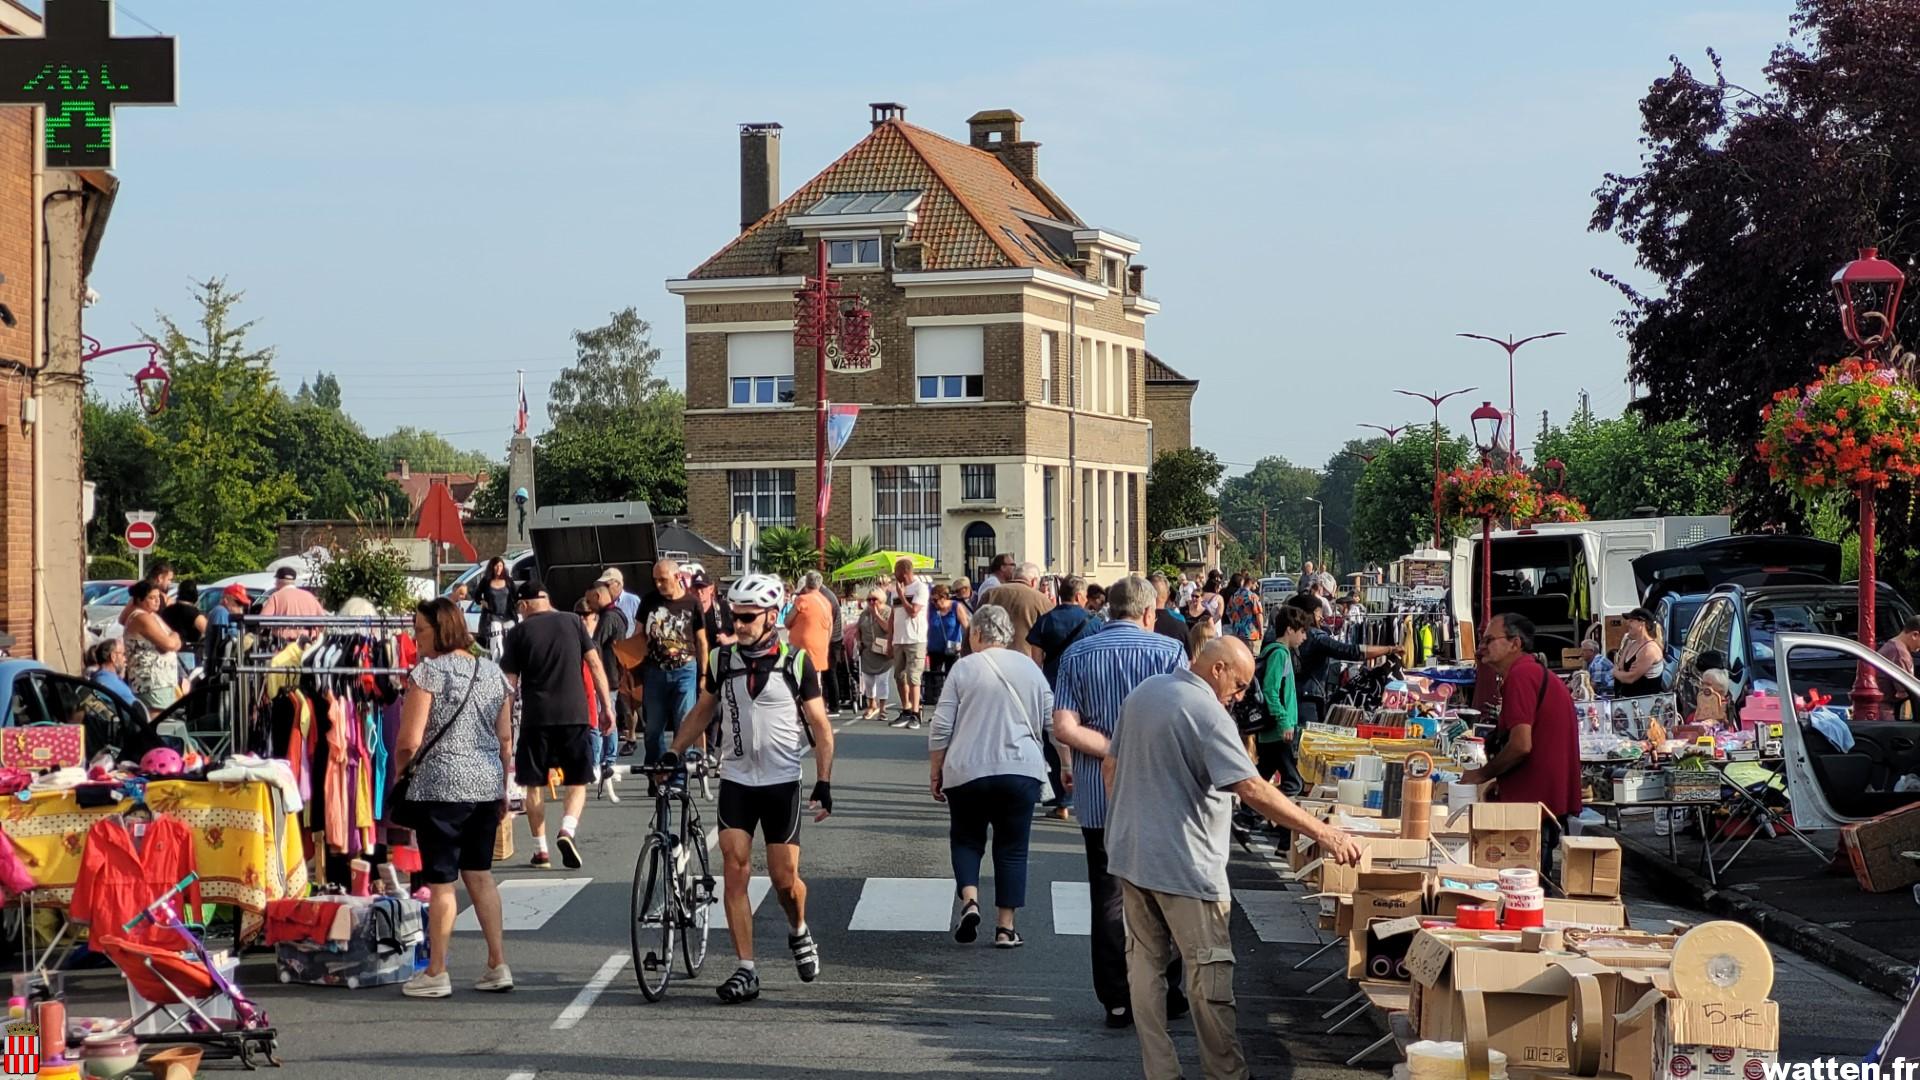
x,y
423,197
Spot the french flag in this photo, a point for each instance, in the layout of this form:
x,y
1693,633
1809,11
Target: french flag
x,y
520,421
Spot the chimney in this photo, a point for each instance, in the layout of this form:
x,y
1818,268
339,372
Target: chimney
x,y
404,470
997,131
759,172
1137,278
884,111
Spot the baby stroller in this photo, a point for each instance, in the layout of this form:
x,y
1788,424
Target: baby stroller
x,y
185,987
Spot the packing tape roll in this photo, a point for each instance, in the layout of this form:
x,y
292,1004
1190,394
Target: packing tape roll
x,y
1352,793
1722,961
1586,1023
1369,768
1534,899
1459,795
1511,880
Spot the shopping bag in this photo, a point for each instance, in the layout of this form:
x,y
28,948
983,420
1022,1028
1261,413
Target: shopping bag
x,y
43,746
503,839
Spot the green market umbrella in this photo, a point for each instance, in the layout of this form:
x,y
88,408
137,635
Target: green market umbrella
x,y
879,564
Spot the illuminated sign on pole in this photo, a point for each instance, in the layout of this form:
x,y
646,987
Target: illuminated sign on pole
x,y
79,72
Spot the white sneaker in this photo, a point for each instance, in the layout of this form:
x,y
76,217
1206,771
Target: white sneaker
x,y
424,985
496,981
607,792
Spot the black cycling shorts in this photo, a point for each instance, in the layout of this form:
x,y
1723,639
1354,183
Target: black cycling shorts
x,y
774,810
568,747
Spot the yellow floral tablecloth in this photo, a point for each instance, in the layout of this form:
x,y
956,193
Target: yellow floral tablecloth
x,y
242,859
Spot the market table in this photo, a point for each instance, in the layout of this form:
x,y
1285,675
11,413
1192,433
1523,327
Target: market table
x,y
247,848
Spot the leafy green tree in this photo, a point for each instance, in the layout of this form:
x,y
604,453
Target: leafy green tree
x,y
1616,466
841,552
639,454
427,451
1338,477
340,471
786,552
372,572
490,498
1393,500
1283,490
323,392
1180,492
222,489
120,457
612,373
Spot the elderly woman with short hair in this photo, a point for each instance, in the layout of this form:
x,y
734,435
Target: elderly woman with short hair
x,y
987,764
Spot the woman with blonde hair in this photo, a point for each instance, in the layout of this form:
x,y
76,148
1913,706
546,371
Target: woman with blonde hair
x,y
1639,666
876,654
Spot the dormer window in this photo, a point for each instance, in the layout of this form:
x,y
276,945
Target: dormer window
x,y
863,251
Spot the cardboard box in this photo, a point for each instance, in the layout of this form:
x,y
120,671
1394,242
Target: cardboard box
x,y
1378,949
1388,894
1374,852
1590,867
1669,1038
1585,914
1504,836
1453,884
1571,660
1616,632
1529,1006
1875,848
1640,786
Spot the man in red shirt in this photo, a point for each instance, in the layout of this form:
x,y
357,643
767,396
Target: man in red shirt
x,y
1540,761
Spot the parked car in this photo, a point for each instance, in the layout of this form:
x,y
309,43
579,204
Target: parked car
x,y
1275,589
1741,625
520,567
1830,786
91,591
32,693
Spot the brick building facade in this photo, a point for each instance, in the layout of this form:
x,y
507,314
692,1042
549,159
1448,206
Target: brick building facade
x,y
1007,410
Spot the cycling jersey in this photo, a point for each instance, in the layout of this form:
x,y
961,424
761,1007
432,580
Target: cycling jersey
x,y
762,731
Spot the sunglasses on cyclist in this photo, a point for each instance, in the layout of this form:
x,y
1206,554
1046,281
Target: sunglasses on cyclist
x,y
746,616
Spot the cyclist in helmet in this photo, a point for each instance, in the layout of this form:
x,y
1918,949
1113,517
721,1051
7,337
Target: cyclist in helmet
x,y
768,699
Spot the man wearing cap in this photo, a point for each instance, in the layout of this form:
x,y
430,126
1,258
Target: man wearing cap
x,y
628,603
290,599
542,659
224,619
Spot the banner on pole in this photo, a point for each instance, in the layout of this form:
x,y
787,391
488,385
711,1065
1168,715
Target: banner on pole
x,y
840,421
826,499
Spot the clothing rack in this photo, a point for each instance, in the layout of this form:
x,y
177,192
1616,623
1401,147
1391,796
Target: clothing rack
x,y
236,678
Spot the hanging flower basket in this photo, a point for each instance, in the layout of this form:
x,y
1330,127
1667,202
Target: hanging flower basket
x,y
1481,492
1562,509
1856,425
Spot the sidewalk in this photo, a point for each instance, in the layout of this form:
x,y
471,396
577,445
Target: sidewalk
x,y
1794,900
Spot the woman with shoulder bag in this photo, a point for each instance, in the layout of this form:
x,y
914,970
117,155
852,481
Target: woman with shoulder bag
x,y
946,636
987,765
876,658
452,756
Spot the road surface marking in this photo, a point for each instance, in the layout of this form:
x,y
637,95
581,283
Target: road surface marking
x,y
1277,916
520,1076
1072,908
527,904
591,992
757,890
904,904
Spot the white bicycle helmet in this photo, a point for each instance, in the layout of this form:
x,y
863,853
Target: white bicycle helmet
x,y
757,590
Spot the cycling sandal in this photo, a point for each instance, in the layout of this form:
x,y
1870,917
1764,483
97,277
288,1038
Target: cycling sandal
x,y
806,955
1005,937
969,927
741,986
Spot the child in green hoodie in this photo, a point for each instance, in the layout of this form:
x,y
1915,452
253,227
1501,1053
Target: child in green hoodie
x,y
1279,746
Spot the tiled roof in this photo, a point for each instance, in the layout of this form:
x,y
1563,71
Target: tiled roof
x,y
972,203
1158,372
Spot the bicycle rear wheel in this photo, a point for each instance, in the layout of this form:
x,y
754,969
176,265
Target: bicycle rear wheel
x,y
697,892
654,912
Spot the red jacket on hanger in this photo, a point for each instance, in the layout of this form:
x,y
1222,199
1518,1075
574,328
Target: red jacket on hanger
x,y
118,881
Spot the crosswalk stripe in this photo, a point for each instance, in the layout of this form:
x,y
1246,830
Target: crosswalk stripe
x,y
1278,916
757,890
528,904
904,904
1072,908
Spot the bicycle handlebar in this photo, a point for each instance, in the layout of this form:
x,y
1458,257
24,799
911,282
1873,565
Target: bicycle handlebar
x,y
147,912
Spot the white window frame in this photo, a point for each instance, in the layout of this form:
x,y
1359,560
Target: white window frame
x,y
755,361
760,487
917,529
853,245
1099,376
1101,483
955,358
984,477
1046,366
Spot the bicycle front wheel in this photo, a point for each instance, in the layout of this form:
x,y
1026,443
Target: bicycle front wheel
x,y
654,912
697,890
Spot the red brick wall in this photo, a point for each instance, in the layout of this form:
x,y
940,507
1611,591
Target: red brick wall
x,y
16,344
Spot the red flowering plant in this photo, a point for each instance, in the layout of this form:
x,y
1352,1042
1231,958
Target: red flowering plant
x,y
1485,492
1561,508
1856,425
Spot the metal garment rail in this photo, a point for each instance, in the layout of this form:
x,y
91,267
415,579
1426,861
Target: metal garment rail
x,y
242,672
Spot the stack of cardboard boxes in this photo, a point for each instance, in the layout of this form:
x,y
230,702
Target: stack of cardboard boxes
x,y
1581,996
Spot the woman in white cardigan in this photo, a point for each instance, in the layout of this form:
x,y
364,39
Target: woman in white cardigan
x,y
988,765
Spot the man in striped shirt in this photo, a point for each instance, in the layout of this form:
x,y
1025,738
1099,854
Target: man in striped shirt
x,y
1097,673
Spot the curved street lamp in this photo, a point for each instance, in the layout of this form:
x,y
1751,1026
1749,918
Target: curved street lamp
x,y
1391,433
1512,346
1487,421
1434,399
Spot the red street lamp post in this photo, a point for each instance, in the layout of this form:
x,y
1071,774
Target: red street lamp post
x,y
1435,399
1512,346
820,321
1486,437
1556,469
150,383
1868,291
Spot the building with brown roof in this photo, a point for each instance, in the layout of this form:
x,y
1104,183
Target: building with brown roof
x,y
1003,405
1169,406
416,485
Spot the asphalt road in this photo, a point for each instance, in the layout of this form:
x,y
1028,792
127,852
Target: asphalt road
x,y
889,1002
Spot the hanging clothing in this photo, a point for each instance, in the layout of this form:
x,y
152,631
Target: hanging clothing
x,y
339,791
120,876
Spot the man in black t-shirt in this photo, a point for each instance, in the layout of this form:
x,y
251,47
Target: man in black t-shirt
x,y
543,659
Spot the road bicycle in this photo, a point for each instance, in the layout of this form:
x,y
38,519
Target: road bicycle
x,y
673,884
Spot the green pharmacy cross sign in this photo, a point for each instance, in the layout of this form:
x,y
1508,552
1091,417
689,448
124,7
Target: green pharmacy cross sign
x,y
79,71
